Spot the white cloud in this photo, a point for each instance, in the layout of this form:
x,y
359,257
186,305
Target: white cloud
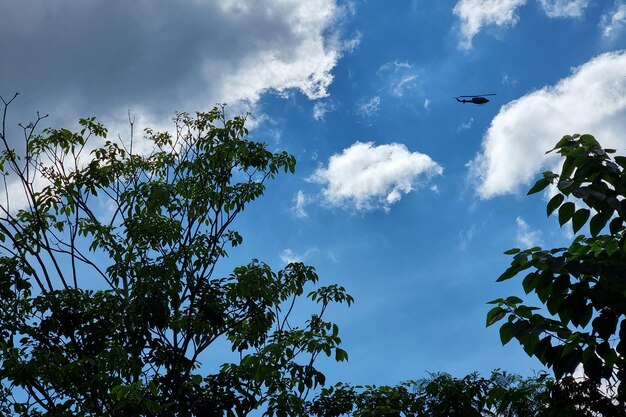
x,y
591,100
563,8
288,256
303,62
366,177
158,57
299,205
426,103
525,236
369,108
613,22
475,14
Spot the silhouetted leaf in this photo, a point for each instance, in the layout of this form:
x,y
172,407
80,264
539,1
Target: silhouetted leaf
x,y
579,219
554,203
539,186
566,212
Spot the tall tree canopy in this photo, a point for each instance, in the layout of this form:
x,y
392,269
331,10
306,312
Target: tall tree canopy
x,y
110,303
582,288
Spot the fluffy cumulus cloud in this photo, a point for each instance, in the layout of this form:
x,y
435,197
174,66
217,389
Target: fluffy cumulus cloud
x,y
613,22
563,8
476,14
591,100
159,56
366,177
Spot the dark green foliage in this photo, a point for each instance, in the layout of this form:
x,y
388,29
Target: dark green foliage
x,y
441,395
109,299
582,287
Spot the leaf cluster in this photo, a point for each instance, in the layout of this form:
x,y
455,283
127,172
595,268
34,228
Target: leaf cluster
x,y
581,287
440,395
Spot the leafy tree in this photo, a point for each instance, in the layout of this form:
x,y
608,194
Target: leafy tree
x,y
440,395
582,288
110,299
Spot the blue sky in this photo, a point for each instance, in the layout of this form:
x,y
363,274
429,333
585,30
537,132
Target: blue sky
x,y
402,195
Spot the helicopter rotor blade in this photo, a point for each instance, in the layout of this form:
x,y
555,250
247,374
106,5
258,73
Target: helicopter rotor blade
x,y
480,95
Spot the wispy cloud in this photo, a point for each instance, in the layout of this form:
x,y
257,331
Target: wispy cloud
x,y
320,108
399,77
563,8
466,237
508,80
288,256
613,22
299,205
525,236
369,108
465,125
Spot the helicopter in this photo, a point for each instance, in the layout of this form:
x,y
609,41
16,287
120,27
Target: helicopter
x,y
477,99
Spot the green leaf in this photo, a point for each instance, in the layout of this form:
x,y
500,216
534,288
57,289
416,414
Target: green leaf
x,y
562,142
506,333
621,160
512,251
590,141
495,314
612,247
539,186
579,219
341,355
568,168
513,300
554,203
566,212
530,282
529,342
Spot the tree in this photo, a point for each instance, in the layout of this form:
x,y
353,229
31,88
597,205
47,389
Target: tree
x,y
440,395
110,303
582,287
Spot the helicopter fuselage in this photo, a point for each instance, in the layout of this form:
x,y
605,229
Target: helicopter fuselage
x,y
474,100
